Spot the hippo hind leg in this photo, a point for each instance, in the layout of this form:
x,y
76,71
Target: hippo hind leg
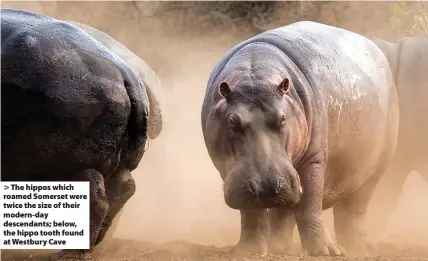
x,y
386,196
120,187
98,210
349,219
111,231
282,223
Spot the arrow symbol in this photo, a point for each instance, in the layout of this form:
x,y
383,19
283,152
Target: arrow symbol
x,y
6,187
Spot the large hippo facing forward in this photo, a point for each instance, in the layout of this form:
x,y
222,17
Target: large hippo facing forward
x,y
71,111
296,120
408,59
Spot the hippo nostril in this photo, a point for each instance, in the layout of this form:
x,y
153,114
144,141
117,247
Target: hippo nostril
x,y
299,184
279,185
295,184
252,187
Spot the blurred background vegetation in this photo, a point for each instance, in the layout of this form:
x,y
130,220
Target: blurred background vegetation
x,y
382,18
166,26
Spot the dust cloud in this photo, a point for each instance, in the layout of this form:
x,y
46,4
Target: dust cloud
x,y
411,215
179,192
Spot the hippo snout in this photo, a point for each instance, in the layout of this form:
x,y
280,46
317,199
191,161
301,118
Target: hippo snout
x,y
268,192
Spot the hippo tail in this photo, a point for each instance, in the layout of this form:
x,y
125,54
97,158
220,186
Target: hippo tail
x,y
151,82
156,113
392,52
137,123
155,94
153,89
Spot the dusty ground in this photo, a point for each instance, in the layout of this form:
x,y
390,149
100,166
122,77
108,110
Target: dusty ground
x,y
184,251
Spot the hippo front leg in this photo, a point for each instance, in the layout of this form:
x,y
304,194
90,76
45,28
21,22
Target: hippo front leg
x,y
314,237
255,232
349,219
282,222
98,210
119,188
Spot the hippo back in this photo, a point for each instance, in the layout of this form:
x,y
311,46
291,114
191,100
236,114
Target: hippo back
x,y
390,50
147,75
317,50
68,103
408,59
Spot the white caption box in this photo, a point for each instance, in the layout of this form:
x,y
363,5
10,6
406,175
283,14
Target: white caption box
x,y
44,215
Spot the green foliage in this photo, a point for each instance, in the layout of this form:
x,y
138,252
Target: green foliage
x,y
389,20
420,25
418,13
397,15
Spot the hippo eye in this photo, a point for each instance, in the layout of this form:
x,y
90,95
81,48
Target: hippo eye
x,y
282,122
231,121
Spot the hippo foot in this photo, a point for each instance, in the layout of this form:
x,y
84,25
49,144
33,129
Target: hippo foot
x,y
250,247
280,247
69,254
361,248
319,243
327,248
315,238
102,233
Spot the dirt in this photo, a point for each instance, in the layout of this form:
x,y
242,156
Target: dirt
x,y
116,249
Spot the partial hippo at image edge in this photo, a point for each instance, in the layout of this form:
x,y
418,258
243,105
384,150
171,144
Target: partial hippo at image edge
x,y
408,59
71,111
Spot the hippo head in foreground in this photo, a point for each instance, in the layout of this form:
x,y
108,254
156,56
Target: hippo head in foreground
x,y
255,132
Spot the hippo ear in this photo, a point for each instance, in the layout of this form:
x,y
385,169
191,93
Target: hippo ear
x,y
284,87
224,90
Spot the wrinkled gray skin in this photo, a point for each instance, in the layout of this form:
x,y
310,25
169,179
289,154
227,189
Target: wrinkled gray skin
x,y
142,69
305,105
150,80
408,59
71,111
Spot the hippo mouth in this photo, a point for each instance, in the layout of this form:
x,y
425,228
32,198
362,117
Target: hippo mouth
x,y
256,195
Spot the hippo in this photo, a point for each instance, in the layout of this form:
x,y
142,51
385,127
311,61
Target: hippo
x,y
71,111
299,119
408,59
151,82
